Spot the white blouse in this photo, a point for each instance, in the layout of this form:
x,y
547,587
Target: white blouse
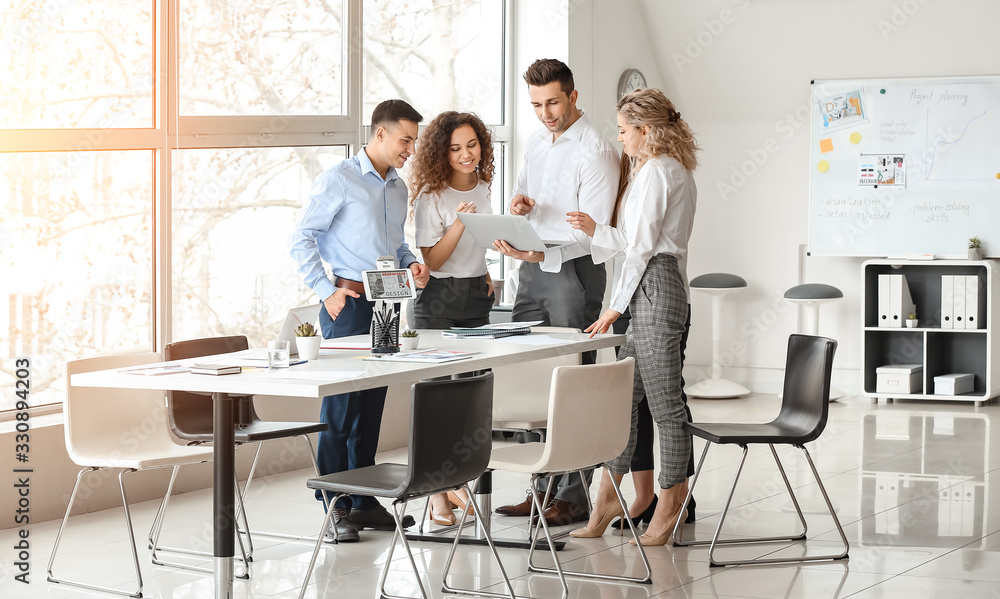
x,y
434,213
577,171
656,217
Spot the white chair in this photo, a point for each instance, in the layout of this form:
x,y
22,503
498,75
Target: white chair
x,y
521,391
718,285
589,418
100,434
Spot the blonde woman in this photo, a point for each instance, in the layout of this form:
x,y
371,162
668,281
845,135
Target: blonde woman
x,y
655,216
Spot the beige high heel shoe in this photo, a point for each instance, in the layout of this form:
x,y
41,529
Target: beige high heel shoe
x,y
588,533
648,541
444,519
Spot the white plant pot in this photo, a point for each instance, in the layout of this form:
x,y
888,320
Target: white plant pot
x,y
911,323
308,347
409,343
975,253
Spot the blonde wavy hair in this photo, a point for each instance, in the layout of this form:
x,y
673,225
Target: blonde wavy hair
x,y
668,133
430,172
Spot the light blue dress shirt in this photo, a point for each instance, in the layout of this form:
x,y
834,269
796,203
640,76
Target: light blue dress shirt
x,y
353,216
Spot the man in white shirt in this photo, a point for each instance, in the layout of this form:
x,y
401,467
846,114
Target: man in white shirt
x,y
568,166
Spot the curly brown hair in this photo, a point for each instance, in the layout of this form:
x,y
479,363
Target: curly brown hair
x,y
430,172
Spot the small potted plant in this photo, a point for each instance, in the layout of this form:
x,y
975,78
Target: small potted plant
x,y
911,320
975,249
409,339
307,341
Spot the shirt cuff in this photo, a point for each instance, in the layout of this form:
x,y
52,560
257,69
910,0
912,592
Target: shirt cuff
x,y
552,261
324,288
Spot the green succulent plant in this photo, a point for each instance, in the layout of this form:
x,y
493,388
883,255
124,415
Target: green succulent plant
x,y
974,242
409,333
305,330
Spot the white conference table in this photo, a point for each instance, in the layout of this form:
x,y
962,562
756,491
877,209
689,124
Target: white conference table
x,y
308,381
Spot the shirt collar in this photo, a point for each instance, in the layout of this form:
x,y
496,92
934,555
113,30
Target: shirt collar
x,y
575,131
368,167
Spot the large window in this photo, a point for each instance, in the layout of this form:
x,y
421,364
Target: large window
x,y
76,242
232,212
154,155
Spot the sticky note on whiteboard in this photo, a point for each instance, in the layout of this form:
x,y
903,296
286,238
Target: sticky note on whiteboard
x,y
826,145
823,166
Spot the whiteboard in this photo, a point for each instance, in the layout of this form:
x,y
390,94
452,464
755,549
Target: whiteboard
x,y
904,166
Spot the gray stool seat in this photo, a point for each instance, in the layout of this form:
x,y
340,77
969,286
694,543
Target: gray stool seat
x,y
718,285
813,292
717,280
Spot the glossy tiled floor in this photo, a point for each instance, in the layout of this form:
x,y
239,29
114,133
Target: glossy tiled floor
x,y
912,483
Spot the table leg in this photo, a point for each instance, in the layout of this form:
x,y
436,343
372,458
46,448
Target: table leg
x,y
223,497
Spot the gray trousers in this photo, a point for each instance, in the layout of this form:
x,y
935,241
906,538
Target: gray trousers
x,y
659,314
571,297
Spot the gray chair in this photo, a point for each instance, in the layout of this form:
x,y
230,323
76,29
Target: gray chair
x,y
802,419
450,444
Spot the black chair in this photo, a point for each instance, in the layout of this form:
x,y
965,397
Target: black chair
x,y
190,418
450,444
804,408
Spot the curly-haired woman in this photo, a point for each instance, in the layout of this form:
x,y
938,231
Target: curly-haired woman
x,y
451,174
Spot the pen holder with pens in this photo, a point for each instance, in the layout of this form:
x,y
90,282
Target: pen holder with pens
x,y
385,328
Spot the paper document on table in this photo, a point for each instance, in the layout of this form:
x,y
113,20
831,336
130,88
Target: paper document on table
x,y
534,340
157,370
431,356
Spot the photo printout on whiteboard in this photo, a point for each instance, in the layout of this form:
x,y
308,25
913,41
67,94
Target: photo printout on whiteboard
x,y
905,166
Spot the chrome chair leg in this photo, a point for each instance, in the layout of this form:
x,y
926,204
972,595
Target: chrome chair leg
x,y
716,541
319,544
647,579
282,535
445,587
128,524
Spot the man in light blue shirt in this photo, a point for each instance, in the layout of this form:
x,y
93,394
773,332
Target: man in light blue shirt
x,y
355,214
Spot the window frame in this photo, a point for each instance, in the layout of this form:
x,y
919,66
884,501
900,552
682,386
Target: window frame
x,y
172,131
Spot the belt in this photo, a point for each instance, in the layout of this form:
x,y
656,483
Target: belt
x,y
354,286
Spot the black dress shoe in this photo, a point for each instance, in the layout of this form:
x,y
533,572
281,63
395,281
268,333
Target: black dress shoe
x,y
378,518
691,517
645,516
341,529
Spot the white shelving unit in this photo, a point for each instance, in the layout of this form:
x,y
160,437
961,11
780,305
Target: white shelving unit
x,y
940,351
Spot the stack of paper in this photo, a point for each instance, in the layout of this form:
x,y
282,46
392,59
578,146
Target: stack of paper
x,y
492,331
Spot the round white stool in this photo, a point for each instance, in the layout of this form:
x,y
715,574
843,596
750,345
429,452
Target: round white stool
x,y
811,296
719,285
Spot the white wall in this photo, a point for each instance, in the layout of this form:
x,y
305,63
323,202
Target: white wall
x,y
739,72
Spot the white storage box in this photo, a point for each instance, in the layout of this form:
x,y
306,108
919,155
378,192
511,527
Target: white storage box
x,y
954,384
899,378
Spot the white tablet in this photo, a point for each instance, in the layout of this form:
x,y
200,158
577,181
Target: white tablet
x,y
392,285
514,229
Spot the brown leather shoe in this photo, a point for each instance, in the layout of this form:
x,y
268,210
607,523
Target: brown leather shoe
x,y
561,513
520,509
